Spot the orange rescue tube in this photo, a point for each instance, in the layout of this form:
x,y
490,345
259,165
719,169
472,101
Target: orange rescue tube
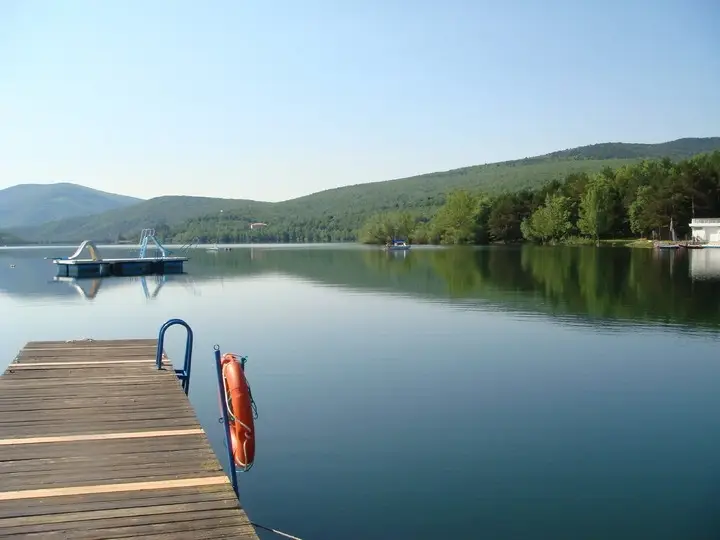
x,y
240,411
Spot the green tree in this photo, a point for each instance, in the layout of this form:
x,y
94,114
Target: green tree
x,y
643,212
504,218
550,222
596,207
423,234
404,224
460,219
382,228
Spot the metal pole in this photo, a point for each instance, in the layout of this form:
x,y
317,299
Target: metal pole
x,y
188,359
160,345
226,425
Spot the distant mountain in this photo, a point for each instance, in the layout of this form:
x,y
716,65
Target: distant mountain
x,y
33,204
7,239
345,208
159,213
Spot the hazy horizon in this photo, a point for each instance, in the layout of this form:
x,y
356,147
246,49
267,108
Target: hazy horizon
x,y
271,103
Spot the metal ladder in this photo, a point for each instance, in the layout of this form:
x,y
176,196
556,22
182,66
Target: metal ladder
x,y
184,376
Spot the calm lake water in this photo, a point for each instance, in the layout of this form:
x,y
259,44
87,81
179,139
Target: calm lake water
x,y
520,393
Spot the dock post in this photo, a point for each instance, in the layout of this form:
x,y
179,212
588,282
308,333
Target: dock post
x,y
184,373
226,425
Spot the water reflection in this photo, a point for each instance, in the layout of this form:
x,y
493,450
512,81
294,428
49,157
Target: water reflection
x,y
73,282
151,286
544,429
705,264
668,287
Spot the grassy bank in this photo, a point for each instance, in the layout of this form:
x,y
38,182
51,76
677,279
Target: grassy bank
x,y
616,242
638,243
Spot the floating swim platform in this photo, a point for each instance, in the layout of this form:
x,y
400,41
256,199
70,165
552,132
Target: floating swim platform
x,y
142,265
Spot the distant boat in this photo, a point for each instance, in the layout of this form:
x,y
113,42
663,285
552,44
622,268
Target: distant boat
x,y
397,245
215,249
667,246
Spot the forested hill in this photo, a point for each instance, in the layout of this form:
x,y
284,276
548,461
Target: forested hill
x,y
31,204
7,239
337,214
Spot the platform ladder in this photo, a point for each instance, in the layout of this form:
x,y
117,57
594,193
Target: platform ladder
x,y
145,236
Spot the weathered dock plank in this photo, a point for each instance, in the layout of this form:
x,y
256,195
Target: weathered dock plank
x,y
85,344
96,443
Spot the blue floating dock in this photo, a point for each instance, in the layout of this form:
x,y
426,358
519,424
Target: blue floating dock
x,y
142,265
131,266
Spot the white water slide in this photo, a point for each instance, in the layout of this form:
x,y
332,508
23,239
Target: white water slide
x,y
94,253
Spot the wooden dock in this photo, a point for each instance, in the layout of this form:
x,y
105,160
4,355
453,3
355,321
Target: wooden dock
x,y
96,443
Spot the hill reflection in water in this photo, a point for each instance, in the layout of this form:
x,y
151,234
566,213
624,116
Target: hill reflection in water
x,y
610,284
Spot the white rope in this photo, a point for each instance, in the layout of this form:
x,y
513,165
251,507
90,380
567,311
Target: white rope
x,y
279,533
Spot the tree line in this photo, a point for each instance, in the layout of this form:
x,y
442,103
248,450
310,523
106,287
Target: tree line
x,y
649,199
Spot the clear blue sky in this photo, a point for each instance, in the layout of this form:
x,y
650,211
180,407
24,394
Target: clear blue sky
x,y
271,100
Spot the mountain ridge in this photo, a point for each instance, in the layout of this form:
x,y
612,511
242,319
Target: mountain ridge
x,y
348,206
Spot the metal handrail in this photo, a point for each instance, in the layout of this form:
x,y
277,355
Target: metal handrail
x,y
226,424
184,373
191,244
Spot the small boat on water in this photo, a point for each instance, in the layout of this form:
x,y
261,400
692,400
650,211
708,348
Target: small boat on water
x,y
215,248
397,245
667,246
